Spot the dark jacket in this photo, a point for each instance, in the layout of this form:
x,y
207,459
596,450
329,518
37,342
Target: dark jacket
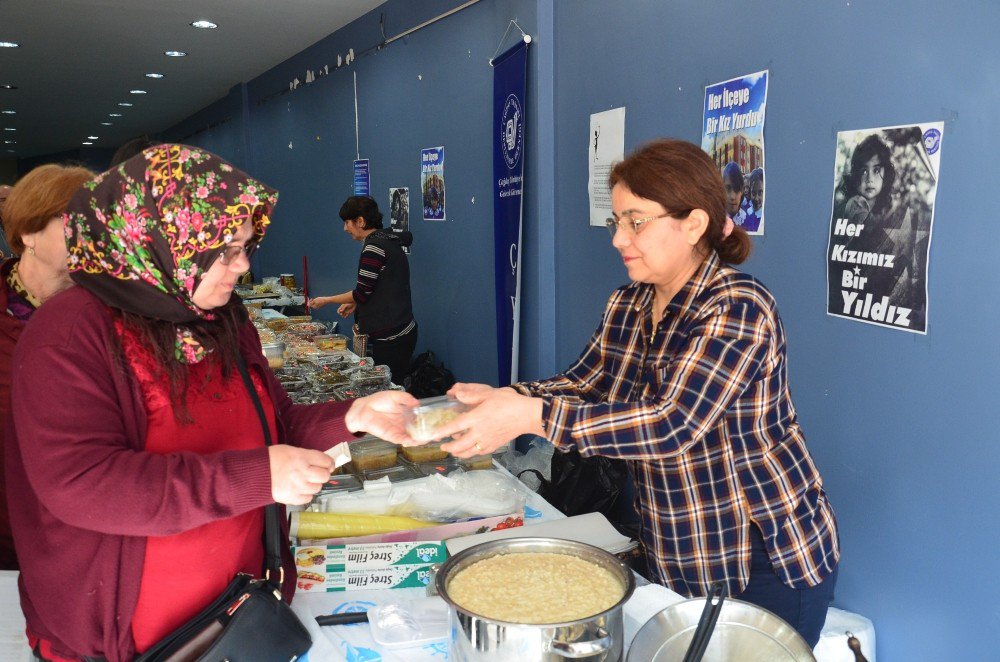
x,y
388,308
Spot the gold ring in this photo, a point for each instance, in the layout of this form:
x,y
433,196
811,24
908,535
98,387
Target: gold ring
x,y
479,446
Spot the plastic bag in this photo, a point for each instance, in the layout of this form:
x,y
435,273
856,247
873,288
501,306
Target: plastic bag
x,y
533,466
585,484
428,376
461,495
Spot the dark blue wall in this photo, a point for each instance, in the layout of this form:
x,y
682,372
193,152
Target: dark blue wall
x,y
898,423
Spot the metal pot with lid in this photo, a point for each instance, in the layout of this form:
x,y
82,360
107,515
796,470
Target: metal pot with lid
x,y
477,638
716,629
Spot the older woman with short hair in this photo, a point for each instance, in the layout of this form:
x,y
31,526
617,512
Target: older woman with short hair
x,y
32,221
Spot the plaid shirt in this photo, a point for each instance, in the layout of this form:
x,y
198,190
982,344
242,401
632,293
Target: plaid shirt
x,y
699,406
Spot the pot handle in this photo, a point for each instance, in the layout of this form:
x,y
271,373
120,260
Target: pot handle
x,y
706,624
575,649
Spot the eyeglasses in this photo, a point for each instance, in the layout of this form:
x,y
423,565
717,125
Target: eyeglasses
x,y
633,224
230,254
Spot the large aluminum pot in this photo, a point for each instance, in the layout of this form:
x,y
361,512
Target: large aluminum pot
x,y
744,632
597,638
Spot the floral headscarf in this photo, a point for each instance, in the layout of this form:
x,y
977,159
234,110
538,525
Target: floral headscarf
x,y
142,235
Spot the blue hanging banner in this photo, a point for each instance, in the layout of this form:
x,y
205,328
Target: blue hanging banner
x,y
508,178
362,178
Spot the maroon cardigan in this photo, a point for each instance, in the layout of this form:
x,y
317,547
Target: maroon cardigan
x,y
86,496
10,331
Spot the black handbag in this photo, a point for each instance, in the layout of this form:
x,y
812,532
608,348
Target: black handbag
x,y
248,622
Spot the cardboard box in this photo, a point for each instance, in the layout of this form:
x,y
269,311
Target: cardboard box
x,y
369,555
362,579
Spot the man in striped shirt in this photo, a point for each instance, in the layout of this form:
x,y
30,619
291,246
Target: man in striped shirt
x,y
380,300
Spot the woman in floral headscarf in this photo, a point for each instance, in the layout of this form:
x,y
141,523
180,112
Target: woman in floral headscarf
x,y
139,463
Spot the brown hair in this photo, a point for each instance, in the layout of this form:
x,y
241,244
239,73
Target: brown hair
x,y
681,177
39,196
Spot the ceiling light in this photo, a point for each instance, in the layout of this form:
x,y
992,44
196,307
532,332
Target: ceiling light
x,y
91,137
87,142
114,114
105,123
10,142
174,53
125,104
10,112
9,128
137,91
8,87
154,75
14,44
204,25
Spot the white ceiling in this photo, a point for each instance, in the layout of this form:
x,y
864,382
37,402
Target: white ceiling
x,y
79,58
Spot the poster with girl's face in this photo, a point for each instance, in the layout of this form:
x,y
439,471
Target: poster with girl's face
x,y
399,211
885,182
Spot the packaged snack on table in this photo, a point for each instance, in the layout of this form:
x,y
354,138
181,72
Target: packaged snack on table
x,y
275,353
370,453
484,461
331,341
423,420
429,452
340,482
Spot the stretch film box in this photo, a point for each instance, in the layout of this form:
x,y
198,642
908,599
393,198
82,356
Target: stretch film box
x,y
352,567
361,579
370,555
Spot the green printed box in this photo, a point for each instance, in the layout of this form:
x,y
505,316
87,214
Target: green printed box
x,y
334,558
360,579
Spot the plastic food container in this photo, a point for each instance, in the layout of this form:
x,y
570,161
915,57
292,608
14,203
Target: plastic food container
x,y
395,473
331,341
340,483
423,420
429,452
477,462
370,453
275,353
441,467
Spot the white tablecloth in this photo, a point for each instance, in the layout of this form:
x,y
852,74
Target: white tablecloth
x,y
13,644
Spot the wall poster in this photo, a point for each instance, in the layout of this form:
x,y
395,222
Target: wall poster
x,y
733,135
399,211
432,182
607,146
885,182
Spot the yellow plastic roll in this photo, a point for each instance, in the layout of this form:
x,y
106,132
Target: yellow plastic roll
x,y
306,524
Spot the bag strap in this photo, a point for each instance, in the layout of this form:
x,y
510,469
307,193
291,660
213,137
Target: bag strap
x,y
273,572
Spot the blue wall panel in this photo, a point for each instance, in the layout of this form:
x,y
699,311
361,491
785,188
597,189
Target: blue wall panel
x,y
899,424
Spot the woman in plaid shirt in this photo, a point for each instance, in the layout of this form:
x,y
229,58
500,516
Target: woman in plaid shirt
x,y
686,378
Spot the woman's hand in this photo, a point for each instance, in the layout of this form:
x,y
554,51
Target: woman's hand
x,y
297,473
498,415
382,414
346,309
318,302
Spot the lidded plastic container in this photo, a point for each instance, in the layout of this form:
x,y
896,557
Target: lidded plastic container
x,y
423,421
429,452
370,453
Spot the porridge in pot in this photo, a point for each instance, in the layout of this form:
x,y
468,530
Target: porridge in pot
x,y
534,588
